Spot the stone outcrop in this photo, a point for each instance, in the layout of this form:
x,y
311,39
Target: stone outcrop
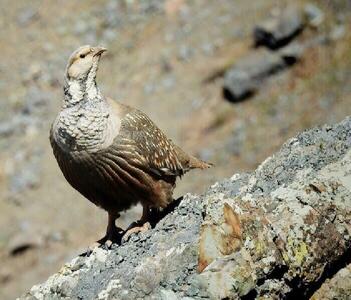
x,y
283,231
279,31
246,77
281,49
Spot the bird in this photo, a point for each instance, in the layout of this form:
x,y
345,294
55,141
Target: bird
x,y
111,153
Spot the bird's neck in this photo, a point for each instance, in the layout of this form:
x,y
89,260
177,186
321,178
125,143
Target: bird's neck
x,y
77,91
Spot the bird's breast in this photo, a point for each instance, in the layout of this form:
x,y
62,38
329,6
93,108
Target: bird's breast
x,y
80,132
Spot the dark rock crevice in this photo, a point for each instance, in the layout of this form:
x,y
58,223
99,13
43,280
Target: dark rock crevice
x,y
299,291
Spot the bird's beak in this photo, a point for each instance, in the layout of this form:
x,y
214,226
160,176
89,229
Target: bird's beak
x,y
99,50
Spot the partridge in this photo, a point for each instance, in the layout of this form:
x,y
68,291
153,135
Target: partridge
x,y
111,153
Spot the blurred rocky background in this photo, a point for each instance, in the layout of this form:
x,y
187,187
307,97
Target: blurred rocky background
x,y
229,81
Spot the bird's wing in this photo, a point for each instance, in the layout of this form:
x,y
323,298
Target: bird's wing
x,y
152,149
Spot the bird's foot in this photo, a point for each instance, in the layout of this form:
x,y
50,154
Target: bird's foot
x,y
135,227
113,237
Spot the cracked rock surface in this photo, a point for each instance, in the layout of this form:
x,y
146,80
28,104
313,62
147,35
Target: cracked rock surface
x,y
281,232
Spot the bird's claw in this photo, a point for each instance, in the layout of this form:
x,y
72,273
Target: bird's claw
x,y
111,238
117,237
135,228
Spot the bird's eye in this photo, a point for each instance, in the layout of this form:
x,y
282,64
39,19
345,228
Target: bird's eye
x,y
82,55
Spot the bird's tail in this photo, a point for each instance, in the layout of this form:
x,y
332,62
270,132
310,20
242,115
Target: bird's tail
x,y
195,163
191,162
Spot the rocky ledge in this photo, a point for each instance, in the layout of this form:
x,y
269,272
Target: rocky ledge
x,y
282,232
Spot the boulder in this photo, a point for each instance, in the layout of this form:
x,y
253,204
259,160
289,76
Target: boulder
x,y
245,77
276,32
282,231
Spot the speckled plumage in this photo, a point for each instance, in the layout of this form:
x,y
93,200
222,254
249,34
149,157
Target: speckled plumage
x,y
113,154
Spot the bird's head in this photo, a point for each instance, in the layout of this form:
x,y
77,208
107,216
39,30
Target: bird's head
x,y
83,60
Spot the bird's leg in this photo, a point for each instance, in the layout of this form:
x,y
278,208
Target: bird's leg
x,y
140,226
146,214
113,233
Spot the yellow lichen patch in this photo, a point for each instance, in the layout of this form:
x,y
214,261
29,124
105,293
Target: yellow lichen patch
x,y
299,251
260,247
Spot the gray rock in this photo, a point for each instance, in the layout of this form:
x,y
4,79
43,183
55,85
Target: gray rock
x,y
245,77
273,288
292,53
277,233
279,31
23,242
315,15
338,32
338,287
